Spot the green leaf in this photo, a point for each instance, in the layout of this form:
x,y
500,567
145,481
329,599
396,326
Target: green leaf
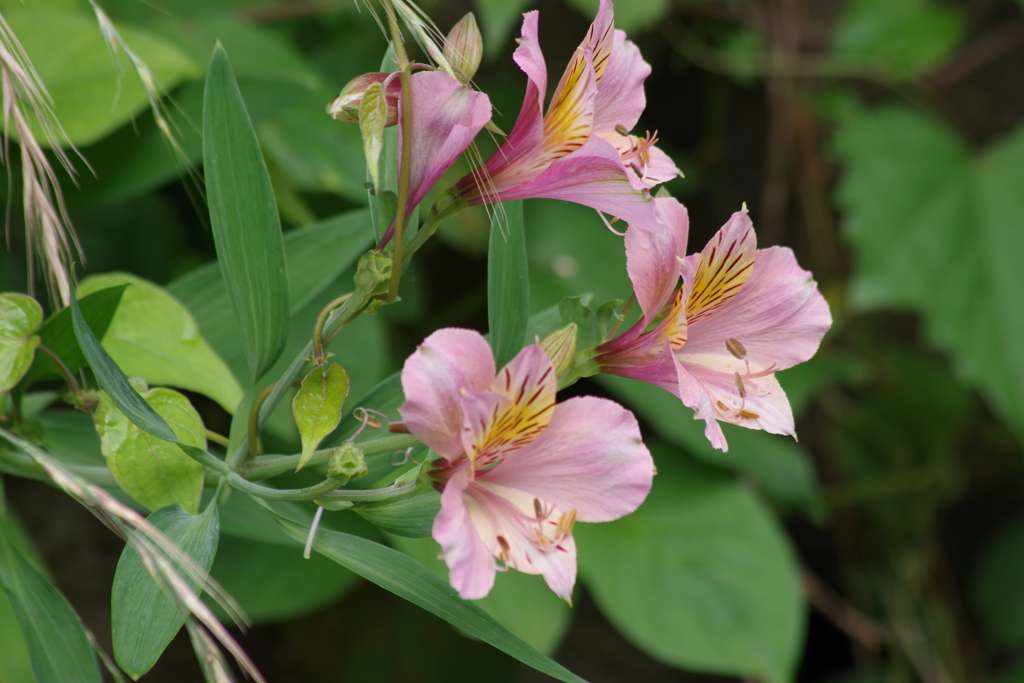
x,y
316,256
912,194
271,583
543,625
94,91
318,153
16,664
317,406
783,470
58,333
408,579
904,38
58,646
153,471
144,619
20,317
410,516
124,395
572,310
508,284
243,215
153,336
700,577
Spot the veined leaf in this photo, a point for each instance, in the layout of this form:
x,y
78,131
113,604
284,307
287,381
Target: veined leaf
x,y
508,285
20,317
243,214
699,577
151,470
317,406
913,194
144,618
153,336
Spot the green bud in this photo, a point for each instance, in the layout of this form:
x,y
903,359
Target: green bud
x,y
347,462
373,117
373,274
464,47
560,346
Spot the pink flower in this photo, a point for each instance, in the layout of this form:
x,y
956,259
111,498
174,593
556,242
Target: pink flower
x,y
517,470
740,315
446,116
580,150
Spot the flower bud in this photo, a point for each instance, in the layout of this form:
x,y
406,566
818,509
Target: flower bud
x,y
346,462
345,107
560,346
464,47
373,273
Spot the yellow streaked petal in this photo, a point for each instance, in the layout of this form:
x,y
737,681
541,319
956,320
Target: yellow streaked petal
x,y
725,264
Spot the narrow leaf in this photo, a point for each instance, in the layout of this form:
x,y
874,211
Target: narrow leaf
x,y
58,333
315,255
57,643
410,516
508,285
246,226
144,619
114,382
317,406
405,577
20,317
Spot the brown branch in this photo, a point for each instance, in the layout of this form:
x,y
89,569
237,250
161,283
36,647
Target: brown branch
x,y
847,618
978,53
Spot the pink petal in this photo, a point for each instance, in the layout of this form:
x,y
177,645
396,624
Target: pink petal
x,y
516,408
433,378
592,176
446,118
778,315
651,264
590,458
471,567
620,91
651,256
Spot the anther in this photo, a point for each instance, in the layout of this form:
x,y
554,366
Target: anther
x,y
636,169
739,384
735,348
503,556
722,406
621,130
749,414
538,511
398,428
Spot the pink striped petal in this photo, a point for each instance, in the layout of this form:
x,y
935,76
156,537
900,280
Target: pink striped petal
x,y
433,378
620,92
590,458
778,315
446,118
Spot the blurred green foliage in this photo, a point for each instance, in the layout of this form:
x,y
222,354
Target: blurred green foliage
x,y
883,140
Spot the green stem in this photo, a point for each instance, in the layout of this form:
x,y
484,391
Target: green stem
x,y
396,35
272,465
68,377
424,234
403,185
254,427
318,344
